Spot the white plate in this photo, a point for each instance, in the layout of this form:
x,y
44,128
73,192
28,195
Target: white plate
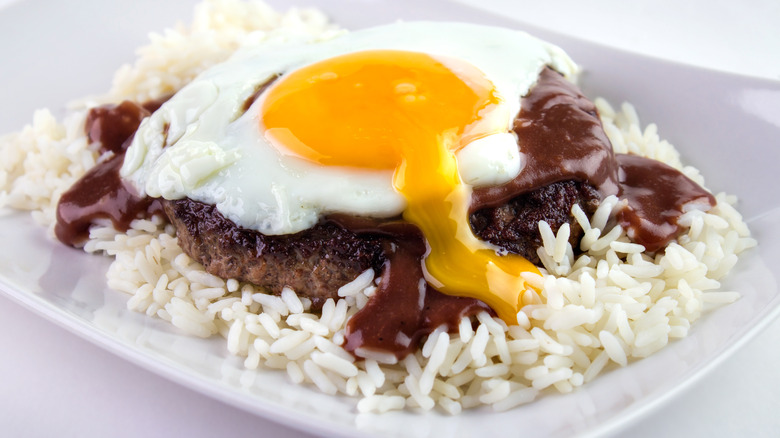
x,y
721,123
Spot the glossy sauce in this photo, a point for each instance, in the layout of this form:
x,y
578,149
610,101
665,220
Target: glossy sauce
x,y
561,138
101,193
110,126
655,196
404,309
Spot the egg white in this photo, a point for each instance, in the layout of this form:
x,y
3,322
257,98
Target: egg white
x,y
200,144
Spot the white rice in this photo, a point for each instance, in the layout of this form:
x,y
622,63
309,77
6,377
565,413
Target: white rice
x,y
608,306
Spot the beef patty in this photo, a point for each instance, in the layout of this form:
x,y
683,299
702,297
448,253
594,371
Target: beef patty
x,y
316,262
514,226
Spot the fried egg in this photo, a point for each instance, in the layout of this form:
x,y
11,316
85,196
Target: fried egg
x,y
402,119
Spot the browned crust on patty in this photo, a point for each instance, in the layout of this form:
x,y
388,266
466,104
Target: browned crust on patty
x,y
514,226
314,262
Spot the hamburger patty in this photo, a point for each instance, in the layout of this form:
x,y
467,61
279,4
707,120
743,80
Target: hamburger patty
x,y
318,261
314,262
514,226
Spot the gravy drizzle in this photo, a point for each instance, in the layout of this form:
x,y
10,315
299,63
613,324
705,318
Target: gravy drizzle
x,y
101,193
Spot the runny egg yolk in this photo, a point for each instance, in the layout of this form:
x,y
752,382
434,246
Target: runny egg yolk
x,y
407,111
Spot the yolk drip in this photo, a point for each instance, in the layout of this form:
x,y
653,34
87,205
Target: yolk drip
x,y
407,111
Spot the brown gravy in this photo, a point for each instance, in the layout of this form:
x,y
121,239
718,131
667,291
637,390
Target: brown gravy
x,y
655,195
410,309
561,137
101,193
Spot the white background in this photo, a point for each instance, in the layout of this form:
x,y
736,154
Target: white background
x,y
53,383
